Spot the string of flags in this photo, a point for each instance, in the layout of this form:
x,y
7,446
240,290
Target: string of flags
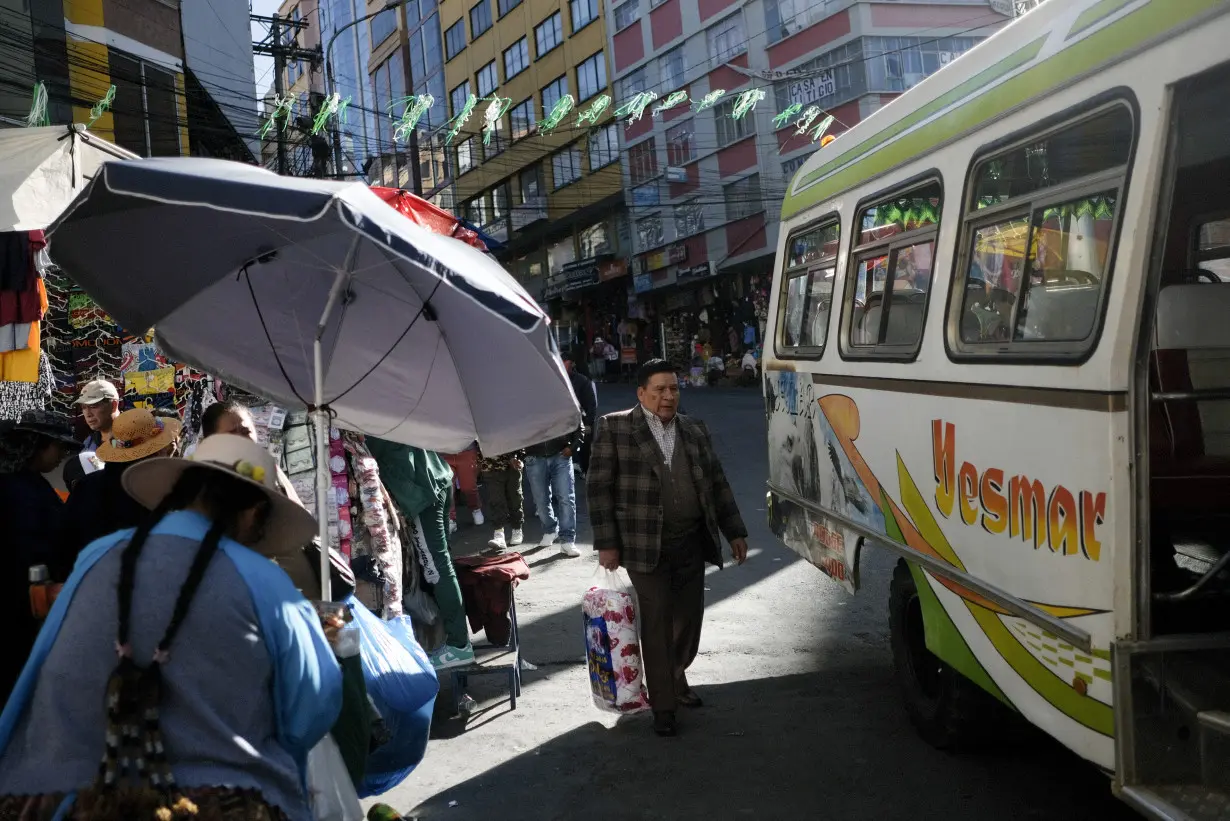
x,y
807,121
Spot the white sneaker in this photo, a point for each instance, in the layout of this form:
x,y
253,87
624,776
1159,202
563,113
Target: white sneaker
x,y
478,518
515,536
548,538
497,542
452,526
447,657
569,549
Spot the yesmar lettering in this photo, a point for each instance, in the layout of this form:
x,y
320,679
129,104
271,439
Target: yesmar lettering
x,y
1015,506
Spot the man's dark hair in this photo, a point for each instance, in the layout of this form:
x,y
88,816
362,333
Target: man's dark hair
x,y
214,413
652,367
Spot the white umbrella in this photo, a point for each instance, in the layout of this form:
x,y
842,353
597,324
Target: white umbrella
x,y
295,288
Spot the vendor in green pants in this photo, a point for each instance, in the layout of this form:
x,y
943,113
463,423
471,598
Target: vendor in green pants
x,y
421,483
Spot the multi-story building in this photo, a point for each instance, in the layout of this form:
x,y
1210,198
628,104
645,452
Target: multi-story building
x,y
705,186
167,99
349,50
552,197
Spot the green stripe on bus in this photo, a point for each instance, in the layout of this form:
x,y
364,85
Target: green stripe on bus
x,y
1095,14
1130,31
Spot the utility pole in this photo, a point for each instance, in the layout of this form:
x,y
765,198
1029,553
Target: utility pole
x,y
281,52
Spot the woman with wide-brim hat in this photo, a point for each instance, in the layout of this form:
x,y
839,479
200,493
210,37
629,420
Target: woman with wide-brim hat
x,y
177,657
98,504
31,520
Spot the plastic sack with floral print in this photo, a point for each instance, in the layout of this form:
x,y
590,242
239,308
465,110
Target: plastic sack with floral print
x,y
612,644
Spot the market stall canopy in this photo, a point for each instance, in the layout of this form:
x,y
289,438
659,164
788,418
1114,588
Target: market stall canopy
x,y
42,169
423,339
428,215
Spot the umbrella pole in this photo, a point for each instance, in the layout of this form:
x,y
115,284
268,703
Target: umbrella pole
x,y
324,481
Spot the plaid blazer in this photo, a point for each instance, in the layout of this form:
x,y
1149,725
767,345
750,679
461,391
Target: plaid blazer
x,y
624,483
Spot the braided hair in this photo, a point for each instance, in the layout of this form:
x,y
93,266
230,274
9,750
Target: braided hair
x,y
134,736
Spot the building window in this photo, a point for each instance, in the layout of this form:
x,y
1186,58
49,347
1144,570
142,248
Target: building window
x,y
552,94
145,113
786,17
653,4
679,143
647,195
566,166
455,39
497,143
643,161
730,129
726,39
531,184
670,66
649,232
521,119
516,59
549,33
383,25
465,155
689,219
487,79
499,202
900,63
604,147
506,6
458,97
626,14
560,254
591,77
829,80
480,18
594,241
743,198
632,84
584,12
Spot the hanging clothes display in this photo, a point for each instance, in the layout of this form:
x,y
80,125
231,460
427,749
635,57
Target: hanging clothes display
x,y
23,305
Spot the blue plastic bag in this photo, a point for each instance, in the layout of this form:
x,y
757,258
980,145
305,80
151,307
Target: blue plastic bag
x,y
402,684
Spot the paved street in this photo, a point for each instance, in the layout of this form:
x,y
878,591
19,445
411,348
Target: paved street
x,y
802,717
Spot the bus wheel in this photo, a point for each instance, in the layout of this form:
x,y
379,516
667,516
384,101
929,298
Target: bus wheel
x,y
949,711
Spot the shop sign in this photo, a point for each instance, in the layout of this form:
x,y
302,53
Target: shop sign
x,y
675,174
556,281
497,230
642,283
646,195
686,299
529,212
612,270
582,273
695,272
807,91
661,258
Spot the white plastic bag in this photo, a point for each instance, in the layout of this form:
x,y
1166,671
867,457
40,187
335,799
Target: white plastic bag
x,y
330,791
612,643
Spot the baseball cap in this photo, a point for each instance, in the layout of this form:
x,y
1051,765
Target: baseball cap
x,y
100,390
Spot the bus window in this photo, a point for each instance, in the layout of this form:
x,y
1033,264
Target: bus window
x,y
811,256
892,272
1037,248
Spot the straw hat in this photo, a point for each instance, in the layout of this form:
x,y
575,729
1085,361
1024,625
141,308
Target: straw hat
x,y
290,526
136,434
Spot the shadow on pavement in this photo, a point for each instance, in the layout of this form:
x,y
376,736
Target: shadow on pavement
x,y
860,761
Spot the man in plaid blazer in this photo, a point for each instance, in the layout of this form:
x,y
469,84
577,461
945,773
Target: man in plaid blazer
x,y
659,504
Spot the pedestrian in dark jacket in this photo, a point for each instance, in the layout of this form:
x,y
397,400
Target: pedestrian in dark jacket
x,y
587,397
31,515
98,505
549,468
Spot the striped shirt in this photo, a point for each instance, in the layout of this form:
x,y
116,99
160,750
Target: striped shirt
x,y
663,432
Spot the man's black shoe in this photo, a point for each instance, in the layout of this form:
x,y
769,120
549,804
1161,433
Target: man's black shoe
x,y
689,699
664,724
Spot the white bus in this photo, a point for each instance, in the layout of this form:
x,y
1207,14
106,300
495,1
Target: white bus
x,y
999,346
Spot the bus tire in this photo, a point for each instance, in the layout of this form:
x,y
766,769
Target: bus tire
x,y
948,710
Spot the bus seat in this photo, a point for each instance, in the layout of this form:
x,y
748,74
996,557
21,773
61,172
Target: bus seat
x,y
1190,443
905,317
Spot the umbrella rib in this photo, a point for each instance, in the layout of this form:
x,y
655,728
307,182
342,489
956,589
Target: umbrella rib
x,y
426,382
425,307
259,315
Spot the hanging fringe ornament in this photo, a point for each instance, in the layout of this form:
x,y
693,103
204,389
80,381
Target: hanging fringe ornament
x,y
38,107
101,107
